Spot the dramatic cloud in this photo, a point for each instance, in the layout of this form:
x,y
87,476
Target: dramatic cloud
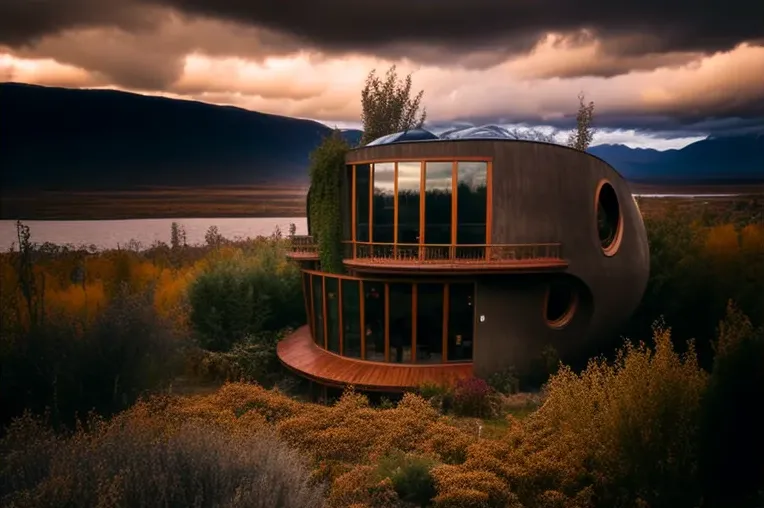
x,y
657,66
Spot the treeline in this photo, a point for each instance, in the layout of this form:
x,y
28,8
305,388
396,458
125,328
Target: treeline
x,y
82,330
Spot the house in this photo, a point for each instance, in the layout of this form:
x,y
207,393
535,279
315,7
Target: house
x,y
465,254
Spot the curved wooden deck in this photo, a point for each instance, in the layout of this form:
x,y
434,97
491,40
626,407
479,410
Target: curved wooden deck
x,y
462,267
299,353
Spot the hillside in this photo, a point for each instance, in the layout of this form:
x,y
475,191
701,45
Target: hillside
x,y
738,159
60,139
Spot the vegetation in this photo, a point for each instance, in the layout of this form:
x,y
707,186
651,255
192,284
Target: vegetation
x,y
665,423
582,137
326,170
388,107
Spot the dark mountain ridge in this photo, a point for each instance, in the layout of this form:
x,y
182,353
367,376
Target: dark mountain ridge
x,y
70,139
58,139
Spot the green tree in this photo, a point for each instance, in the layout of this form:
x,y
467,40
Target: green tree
x,y
582,137
388,106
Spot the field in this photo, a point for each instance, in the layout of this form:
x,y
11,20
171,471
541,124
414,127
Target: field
x,y
164,202
275,200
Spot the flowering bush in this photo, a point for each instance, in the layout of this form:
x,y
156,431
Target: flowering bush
x,y
473,397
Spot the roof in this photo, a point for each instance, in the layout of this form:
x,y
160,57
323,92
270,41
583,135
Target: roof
x,y
420,134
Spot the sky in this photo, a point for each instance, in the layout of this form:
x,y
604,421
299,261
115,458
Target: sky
x,y
662,74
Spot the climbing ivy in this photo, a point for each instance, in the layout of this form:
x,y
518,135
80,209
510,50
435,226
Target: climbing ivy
x,y
327,163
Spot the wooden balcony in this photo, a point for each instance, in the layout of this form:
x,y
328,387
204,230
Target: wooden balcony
x,y
302,248
299,353
387,257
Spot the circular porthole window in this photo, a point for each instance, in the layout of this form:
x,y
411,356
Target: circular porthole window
x,y
609,219
560,304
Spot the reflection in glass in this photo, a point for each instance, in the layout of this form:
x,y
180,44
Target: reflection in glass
x,y
318,311
400,323
351,318
374,327
333,314
429,323
384,202
461,322
362,175
437,213
409,183
471,203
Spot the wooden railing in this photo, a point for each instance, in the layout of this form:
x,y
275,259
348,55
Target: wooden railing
x,y
303,245
451,254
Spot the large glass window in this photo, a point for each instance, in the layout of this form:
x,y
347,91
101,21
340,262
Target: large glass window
x,y
471,203
429,323
400,323
333,314
374,317
351,318
409,184
437,203
415,321
384,202
461,321
318,311
362,176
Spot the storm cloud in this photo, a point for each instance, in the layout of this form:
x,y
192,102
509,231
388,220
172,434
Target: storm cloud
x,y
664,66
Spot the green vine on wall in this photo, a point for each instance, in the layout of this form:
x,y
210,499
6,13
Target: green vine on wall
x,y
327,163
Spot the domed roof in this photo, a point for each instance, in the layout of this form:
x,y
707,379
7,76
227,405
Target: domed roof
x,y
482,132
409,135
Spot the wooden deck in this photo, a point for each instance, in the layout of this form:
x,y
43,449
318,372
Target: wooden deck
x,y
299,353
302,256
461,267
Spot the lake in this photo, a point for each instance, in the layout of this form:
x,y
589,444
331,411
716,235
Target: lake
x,y
108,234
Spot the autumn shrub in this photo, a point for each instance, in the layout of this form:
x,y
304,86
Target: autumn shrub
x,y
253,360
617,434
410,476
732,444
473,397
72,366
633,423
132,462
241,295
440,396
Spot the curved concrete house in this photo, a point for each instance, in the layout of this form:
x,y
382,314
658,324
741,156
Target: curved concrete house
x,y
466,254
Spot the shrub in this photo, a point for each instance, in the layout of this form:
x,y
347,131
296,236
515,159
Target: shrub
x,y
240,295
74,367
473,397
440,396
732,471
135,463
253,359
505,381
410,475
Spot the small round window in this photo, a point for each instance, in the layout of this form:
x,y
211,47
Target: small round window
x,y
609,220
561,303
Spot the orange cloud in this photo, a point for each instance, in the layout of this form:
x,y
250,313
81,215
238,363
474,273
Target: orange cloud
x,y
327,88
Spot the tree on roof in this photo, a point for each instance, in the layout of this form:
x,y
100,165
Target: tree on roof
x,y
582,137
388,107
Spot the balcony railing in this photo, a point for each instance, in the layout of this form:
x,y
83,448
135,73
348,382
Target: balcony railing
x,y
454,254
303,246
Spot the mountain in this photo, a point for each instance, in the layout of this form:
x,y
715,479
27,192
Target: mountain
x,y
738,159
61,139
